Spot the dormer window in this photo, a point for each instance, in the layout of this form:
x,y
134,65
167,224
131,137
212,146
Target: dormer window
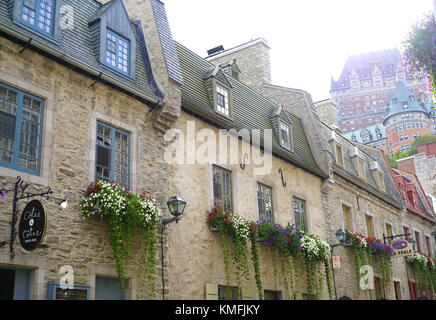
x,y
381,181
222,100
339,155
117,51
37,14
361,169
285,136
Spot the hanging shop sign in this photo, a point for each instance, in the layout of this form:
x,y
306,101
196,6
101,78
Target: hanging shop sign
x,y
402,248
32,226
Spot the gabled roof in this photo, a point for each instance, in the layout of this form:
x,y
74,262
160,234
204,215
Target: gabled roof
x,y
102,10
423,208
350,173
217,73
75,47
250,109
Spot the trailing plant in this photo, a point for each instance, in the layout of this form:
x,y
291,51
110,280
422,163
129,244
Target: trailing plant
x,y
425,269
255,259
360,253
235,230
126,214
315,252
383,254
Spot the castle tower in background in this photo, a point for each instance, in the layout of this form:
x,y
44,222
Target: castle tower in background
x,y
362,90
407,118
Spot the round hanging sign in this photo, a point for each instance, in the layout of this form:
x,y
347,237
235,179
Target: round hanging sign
x,y
32,227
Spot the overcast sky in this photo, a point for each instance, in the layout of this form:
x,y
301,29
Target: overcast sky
x,y
309,39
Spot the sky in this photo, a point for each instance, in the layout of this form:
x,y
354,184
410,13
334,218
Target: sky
x,y
309,39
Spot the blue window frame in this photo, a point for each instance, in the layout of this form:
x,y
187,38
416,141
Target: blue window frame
x,y
21,118
39,15
117,52
112,155
77,292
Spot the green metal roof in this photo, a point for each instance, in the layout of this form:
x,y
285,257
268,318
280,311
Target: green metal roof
x,y
250,110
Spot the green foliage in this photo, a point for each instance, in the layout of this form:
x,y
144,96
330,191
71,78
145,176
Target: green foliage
x,y
413,149
127,214
419,50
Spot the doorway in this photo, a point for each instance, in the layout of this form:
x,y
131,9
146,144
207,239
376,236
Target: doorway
x,y
15,284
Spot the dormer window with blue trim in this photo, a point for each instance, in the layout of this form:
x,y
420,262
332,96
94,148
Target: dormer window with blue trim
x,y
117,52
39,15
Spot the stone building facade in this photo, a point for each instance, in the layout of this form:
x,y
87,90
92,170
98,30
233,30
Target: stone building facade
x,y
78,94
347,187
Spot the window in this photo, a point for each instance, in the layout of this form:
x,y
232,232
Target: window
x,y
347,218
117,52
300,214
361,169
418,241
38,14
113,155
222,100
264,199
228,293
406,231
78,292
285,136
428,245
339,155
410,197
222,188
21,117
381,181
369,225
397,288
389,232
378,288
272,295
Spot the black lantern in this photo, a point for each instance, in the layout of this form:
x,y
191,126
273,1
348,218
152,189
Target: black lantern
x,y
341,235
176,205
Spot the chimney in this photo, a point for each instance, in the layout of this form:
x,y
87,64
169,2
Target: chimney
x,y
252,58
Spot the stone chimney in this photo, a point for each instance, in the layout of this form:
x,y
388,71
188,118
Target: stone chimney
x,y
252,58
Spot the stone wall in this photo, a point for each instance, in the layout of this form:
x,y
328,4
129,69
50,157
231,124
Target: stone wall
x,y
425,167
362,203
327,112
195,254
253,59
73,105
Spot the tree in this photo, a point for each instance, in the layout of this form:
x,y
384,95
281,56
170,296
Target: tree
x,y
420,50
426,139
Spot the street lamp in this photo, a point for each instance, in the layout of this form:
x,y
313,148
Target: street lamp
x,y
341,235
176,205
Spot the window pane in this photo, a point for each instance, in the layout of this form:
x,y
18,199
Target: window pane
x,y
121,158
300,214
45,15
30,134
222,188
264,195
285,137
